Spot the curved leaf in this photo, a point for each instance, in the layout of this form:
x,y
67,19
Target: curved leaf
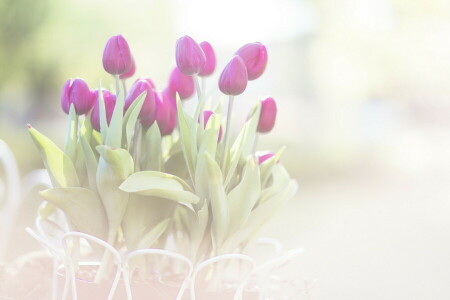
x,y
82,207
158,184
59,166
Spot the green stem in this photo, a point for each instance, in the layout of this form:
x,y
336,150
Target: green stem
x,y
227,133
124,87
201,100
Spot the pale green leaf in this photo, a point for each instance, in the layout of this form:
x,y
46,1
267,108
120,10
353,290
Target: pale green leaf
x,y
70,146
90,161
218,200
158,184
151,157
244,196
82,207
130,118
188,145
114,136
102,112
267,165
114,166
243,144
59,166
149,238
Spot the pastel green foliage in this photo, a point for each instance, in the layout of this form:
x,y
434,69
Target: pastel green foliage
x,y
59,166
130,119
158,184
82,206
114,166
131,180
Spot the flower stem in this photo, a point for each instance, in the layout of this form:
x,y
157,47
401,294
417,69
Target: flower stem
x,y
201,100
227,135
124,87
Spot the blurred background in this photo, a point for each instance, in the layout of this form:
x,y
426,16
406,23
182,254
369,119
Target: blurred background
x,y
363,93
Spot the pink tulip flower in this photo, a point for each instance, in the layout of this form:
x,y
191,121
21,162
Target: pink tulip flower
x,y
233,79
255,58
117,56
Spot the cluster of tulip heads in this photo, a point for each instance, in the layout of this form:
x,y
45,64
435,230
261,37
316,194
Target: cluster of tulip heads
x,y
193,60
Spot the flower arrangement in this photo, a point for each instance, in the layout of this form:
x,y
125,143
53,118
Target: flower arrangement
x,y
138,171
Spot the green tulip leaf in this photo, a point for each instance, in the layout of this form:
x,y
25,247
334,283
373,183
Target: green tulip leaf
x,y
114,136
267,166
90,161
59,166
151,149
102,112
82,207
218,200
130,119
244,196
149,238
158,184
188,145
70,146
114,166
243,144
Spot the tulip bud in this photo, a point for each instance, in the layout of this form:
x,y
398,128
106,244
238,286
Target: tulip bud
x,y
267,116
149,82
189,56
110,102
117,56
147,114
233,79
255,58
263,157
210,63
206,115
131,72
166,112
76,92
181,84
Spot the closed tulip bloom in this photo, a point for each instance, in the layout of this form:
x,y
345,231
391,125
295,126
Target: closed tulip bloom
x,y
110,103
189,56
255,58
131,72
268,115
147,114
263,157
152,84
210,63
77,92
233,79
206,115
117,56
166,112
181,84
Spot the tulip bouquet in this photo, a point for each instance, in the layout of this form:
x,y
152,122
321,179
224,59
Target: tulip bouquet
x,y
138,171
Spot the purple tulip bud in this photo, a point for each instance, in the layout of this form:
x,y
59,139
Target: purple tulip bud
x,y
206,115
147,114
77,92
166,112
263,157
131,72
255,58
233,79
149,82
268,115
189,56
117,56
110,103
181,84
210,63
